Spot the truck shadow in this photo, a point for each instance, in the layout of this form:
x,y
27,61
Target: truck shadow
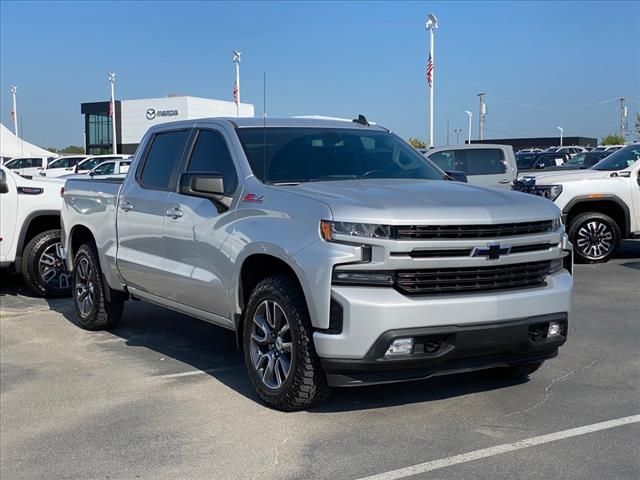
x,y
197,347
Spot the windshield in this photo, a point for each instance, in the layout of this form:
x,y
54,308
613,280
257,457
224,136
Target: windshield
x,y
620,159
295,155
13,163
525,160
90,163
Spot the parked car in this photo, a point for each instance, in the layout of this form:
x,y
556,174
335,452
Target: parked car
x,y
30,241
336,254
540,161
61,166
28,166
111,168
530,150
600,206
571,150
485,165
582,161
606,148
93,161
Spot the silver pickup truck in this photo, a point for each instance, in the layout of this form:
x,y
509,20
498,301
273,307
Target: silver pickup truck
x,y
338,254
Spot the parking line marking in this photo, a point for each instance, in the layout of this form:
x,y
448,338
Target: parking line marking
x,y
499,449
200,372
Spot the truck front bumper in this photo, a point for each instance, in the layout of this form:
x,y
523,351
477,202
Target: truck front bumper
x,y
476,331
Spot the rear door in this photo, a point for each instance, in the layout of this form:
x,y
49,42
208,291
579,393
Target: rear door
x,y
197,269
487,167
141,211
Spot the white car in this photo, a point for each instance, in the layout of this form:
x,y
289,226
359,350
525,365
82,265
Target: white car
x,y
28,166
111,168
93,161
600,205
571,150
30,232
485,165
61,166
607,148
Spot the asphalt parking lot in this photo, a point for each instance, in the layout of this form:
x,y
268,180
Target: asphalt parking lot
x,y
164,396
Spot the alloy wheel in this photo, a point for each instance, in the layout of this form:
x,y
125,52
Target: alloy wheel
x,y
271,344
85,287
595,239
52,269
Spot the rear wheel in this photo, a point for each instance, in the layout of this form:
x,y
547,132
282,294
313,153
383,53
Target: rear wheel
x,y
43,268
94,312
278,346
595,237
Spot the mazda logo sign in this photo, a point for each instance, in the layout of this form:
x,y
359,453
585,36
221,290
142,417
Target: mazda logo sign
x,y
151,113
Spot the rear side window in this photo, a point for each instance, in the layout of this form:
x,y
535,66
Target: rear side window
x,y
444,160
483,161
211,155
163,155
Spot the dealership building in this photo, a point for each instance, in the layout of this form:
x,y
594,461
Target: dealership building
x,y
134,117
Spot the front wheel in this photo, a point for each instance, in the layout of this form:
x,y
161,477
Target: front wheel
x,y
94,312
43,268
595,237
278,346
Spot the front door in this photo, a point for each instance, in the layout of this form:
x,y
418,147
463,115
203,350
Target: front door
x,y
141,212
196,229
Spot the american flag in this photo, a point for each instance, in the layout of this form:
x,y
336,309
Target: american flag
x,y
110,111
430,71
235,92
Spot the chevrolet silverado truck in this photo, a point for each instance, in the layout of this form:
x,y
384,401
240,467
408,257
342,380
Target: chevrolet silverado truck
x,y
338,254
600,205
30,242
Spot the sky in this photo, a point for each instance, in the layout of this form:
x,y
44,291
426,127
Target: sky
x,y
541,64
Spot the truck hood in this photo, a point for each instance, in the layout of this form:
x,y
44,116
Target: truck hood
x,y
551,178
397,202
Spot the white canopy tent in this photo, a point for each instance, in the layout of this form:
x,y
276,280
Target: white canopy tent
x,y
12,146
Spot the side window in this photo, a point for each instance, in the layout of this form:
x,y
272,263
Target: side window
x,y
444,160
484,161
163,155
211,155
104,169
36,162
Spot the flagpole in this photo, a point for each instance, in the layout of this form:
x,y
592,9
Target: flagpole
x,y
112,80
236,60
14,89
431,26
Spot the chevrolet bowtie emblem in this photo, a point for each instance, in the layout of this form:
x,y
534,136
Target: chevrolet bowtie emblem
x,y
492,252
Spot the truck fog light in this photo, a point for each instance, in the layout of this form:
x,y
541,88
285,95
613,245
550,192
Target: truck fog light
x,y
554,329
400,346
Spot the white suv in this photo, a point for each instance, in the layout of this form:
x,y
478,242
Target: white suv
x,y
62,166
30,232
28,166
600,205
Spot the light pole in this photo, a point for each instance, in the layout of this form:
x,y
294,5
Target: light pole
x,y
561,134
482,112
431,26
470,115
14,112
236,85
457,131
112,81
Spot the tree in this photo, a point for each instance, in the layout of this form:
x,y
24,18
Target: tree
x,y
417,143
73,149
612,140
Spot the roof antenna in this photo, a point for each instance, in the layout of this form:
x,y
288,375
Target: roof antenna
x,y
362,120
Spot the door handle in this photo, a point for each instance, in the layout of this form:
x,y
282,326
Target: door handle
x,y
126,206
174,212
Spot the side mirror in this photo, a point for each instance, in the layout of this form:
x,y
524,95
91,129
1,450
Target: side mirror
x,y
4,187
205,185
92,173
457,175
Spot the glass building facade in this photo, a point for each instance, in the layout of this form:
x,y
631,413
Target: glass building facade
x,y
98,128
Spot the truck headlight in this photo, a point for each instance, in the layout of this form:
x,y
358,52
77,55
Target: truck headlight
x,y
363,230
550,192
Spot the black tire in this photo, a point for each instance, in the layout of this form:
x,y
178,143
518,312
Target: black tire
x,y
87,281
43,268
518,371
587,230
306,383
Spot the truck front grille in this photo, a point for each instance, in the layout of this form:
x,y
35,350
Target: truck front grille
x,y
435,232
474,279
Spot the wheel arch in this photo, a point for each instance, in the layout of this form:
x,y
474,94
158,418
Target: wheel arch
x,y
609,205
34,224
78,235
